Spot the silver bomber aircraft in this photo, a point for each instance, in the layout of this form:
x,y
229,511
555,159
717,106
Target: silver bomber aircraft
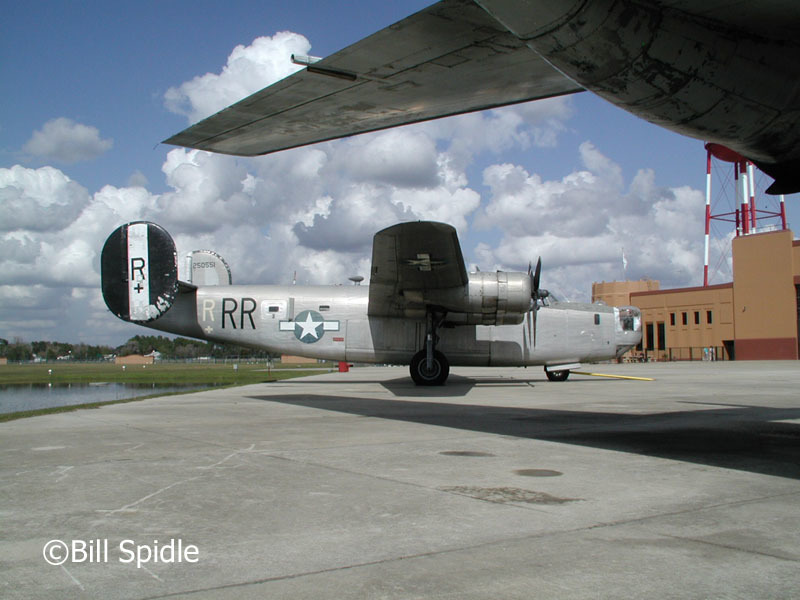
x,y
421,307
723,71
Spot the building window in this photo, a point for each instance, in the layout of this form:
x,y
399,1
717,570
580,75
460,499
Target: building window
x,y
649,336
685,318
709,317
662,336
697,317
672,319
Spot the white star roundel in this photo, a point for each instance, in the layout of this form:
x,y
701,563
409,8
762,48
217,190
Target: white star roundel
x,y
309,326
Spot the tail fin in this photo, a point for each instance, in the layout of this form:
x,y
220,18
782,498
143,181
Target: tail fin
x,y
139,269
206,267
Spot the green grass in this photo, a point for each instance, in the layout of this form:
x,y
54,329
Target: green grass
x,y
200,374
161,373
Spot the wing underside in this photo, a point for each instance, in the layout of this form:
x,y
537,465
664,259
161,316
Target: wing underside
x,y
412,262
447,59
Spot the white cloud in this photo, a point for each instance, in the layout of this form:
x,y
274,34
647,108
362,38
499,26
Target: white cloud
x,y
38,199
248,69
314,210
580,224
396,157
64,140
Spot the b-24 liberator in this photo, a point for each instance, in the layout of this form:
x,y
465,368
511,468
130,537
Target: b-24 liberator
x,y
421,307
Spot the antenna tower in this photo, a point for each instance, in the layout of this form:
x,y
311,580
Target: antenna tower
x,y
739,202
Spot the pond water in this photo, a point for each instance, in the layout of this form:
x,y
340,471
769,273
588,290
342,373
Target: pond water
x,y
34,396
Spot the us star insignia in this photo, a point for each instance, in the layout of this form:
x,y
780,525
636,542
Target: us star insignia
x,y
423,262
309,326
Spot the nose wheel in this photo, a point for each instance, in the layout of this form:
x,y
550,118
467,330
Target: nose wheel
x,y
557,375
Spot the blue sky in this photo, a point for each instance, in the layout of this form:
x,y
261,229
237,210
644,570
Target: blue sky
x,y
83,111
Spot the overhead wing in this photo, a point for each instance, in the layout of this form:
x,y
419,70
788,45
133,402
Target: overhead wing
x,y
447,59
410,260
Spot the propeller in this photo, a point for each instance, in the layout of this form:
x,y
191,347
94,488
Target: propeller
x,y
536,295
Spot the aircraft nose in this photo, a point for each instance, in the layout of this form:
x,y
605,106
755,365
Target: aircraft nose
x,y
629,328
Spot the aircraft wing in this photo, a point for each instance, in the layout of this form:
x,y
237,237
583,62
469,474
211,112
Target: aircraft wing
x,y
410,260
447,59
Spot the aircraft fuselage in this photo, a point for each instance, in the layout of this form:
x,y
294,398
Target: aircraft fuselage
x,y
331,322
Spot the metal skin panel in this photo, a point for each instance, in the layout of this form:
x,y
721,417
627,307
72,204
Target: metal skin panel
x,y
724,71
332,322
240,315
410,263
447,59
420,264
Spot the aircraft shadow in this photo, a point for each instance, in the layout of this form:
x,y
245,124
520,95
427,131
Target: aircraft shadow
x,y
457,385
744,438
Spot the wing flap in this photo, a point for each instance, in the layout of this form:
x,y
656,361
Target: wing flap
x,y
447,59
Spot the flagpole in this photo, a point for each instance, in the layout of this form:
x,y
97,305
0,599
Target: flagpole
x,y
624,266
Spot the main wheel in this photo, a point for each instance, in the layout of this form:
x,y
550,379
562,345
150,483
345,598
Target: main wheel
x,y
436,375
557,375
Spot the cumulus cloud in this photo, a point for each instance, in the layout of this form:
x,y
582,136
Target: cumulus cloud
x,y
314,210
580,224
38,199
248,69
64,140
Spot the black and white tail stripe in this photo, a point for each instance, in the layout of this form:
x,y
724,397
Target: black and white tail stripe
x,y
139,301
139,271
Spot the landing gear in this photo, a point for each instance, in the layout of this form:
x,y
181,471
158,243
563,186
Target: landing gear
x,y
436,374
557,375
429,366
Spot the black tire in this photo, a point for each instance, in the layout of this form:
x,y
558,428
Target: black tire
x,y
440,369
557,375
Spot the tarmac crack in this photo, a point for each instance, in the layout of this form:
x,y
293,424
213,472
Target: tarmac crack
x,y
733,547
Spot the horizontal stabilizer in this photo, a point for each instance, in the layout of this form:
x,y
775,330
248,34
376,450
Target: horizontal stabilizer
x,y
139,269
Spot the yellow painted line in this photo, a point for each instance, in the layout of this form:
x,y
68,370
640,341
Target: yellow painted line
x,y
614,376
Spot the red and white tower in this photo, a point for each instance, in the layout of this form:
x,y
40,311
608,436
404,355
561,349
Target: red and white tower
x,y
745,215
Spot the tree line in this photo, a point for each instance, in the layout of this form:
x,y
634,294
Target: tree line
x,y
178,348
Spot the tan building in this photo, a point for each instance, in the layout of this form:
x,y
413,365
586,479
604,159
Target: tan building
x,y
757,316
618,293
134,359
288,359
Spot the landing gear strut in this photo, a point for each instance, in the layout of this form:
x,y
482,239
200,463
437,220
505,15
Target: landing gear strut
x,y
429,366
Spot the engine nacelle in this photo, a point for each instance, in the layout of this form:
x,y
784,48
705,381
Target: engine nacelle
x,y
491,298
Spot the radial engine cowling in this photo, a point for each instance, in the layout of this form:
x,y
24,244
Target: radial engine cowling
x,y
497,298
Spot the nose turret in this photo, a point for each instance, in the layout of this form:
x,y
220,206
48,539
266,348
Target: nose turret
x,y
628,328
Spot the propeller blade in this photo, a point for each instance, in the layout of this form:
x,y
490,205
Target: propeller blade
x,y
535,279
528,339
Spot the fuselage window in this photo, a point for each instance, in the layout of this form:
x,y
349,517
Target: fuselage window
x,y
324,307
